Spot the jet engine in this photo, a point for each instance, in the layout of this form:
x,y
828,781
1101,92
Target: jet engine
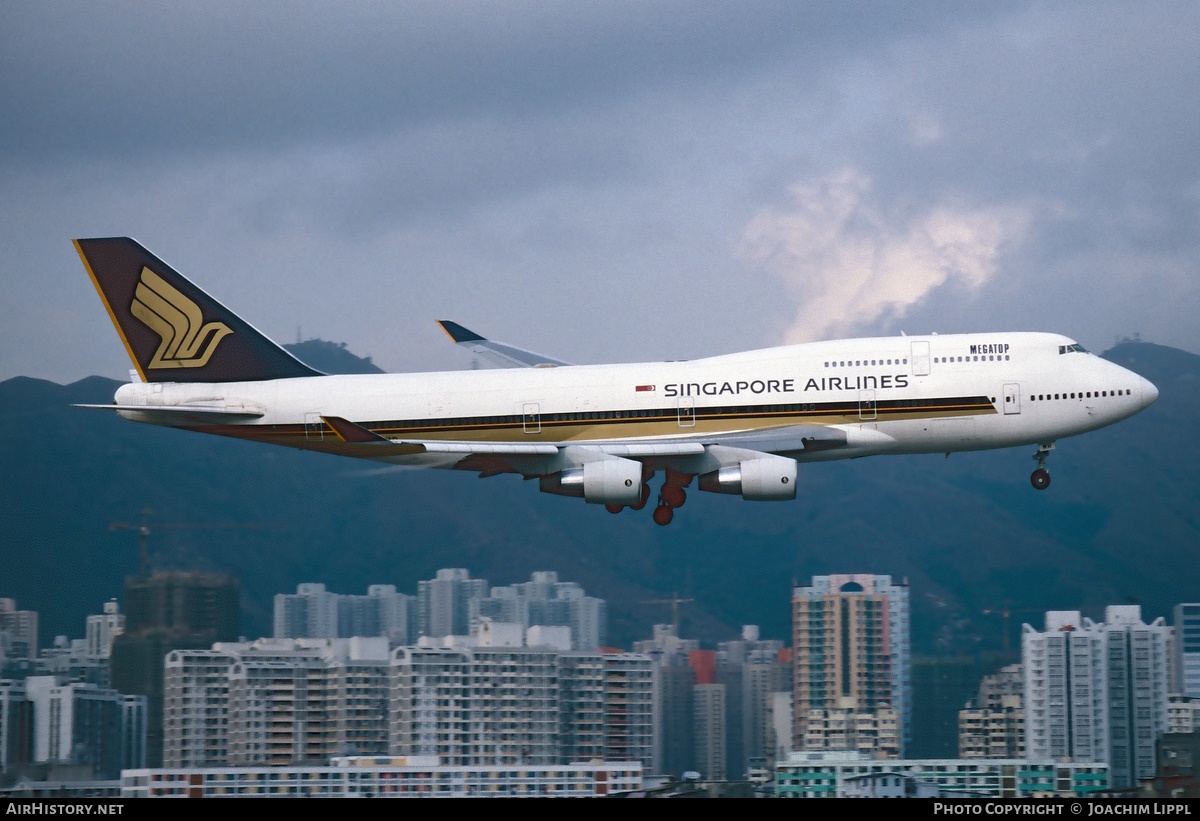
x,y
767,479
608,481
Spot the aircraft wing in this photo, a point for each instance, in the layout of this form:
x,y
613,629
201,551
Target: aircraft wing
x,y
498,354
694,454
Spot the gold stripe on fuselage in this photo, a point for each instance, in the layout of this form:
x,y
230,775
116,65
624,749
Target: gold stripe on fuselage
x,y
584,431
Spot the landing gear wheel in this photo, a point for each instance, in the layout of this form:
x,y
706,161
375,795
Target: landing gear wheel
x,y
1040,479
663,514
645,498
614,508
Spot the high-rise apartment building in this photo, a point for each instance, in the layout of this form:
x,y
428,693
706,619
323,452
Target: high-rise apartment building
x,y
184,604
16,725
309,613
164,612
276,702
313,612
993,723
1136,683
102,629
674,682
581,706
1065,715
629,708
86,724
851,650
443,603
874,733
478,705
1183,715
1097,692
18,631
709,725
545,601
751,670
1187,649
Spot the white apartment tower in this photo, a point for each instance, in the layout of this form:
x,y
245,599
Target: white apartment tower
x,y
471,706
85,724
275,702
314,613
1097,692
1064,689
311,612
102,629
443,602
629,708
1136,681
545,601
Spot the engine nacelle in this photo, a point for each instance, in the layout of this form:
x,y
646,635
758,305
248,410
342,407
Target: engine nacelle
x,y
767,479
605,482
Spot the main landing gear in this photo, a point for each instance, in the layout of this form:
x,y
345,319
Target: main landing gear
x,y
671,496
1040,478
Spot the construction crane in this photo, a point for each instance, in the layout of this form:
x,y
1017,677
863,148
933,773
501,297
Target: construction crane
x,y
1006,611
674,601
145,528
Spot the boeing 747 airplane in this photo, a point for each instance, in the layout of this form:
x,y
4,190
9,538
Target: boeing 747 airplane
x,y
738,424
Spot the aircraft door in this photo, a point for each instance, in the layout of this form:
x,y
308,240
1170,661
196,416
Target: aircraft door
x,y
1012,398
687,412
314,427
920,358
866,405
531,417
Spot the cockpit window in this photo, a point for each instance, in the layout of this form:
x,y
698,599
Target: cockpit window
x,y
1073,348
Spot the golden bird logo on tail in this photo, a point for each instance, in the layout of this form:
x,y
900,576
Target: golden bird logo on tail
x,y
178,321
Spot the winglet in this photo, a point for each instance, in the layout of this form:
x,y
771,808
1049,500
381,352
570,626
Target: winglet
x,y
458,333
498,354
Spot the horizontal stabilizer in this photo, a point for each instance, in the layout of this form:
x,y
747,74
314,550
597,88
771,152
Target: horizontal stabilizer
x,y
180,415
497,353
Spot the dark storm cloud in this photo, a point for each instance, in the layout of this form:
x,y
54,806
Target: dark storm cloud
x,y
605,181
131,78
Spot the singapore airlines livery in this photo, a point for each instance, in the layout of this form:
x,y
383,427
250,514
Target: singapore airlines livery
x,y
737,423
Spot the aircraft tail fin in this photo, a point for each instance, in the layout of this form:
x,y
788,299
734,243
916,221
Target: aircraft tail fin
x,y
172,330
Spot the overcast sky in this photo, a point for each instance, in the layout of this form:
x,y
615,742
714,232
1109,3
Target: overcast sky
x,y
604,181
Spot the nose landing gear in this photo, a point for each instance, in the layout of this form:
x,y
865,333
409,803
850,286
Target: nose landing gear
x,y
1040,478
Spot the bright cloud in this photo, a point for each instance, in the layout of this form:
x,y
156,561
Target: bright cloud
x,y
848,264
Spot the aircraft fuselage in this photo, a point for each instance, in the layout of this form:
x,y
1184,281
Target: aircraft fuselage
x,y
927,394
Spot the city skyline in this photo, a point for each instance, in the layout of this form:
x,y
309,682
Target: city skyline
x,y
711,711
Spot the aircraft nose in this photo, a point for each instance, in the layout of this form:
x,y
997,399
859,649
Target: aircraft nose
x,y
1148,393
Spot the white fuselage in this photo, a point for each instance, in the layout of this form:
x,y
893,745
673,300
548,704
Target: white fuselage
x,y
915,394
